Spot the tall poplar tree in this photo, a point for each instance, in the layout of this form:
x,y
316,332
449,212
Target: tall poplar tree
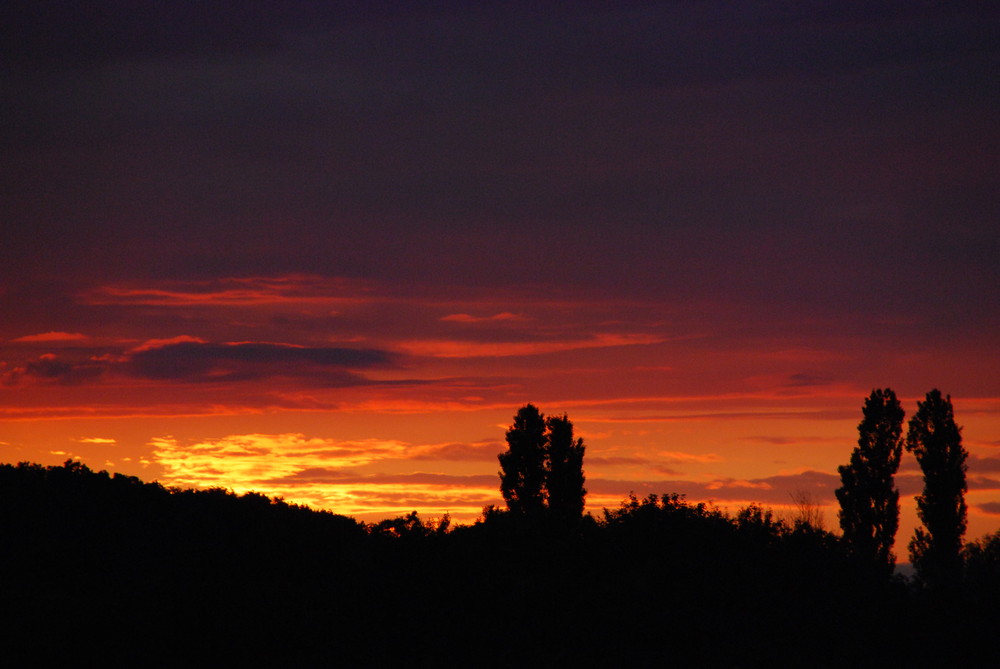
x,y
565,479
523,465
936,440
869,500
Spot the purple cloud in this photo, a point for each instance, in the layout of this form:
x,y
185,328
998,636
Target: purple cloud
x,y
212,362
991,508
52,369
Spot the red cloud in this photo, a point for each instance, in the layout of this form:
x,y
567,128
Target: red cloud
x,y
466,318
438,348
240,291
51,336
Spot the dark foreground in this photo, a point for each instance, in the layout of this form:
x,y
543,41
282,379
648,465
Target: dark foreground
x,y
111,569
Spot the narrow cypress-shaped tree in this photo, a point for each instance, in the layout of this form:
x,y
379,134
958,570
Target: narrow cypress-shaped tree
x,y
869,500
936,440
523,465
565,479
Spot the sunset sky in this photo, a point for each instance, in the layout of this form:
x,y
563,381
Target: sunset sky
x,y
327,253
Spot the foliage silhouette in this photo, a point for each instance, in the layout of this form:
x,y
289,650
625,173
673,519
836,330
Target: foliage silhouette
x,y
523,465
541,472
981,559
409,527
936,441
209,577
565,479
808,511
869,500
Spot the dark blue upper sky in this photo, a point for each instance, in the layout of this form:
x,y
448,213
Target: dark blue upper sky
x,y
783,155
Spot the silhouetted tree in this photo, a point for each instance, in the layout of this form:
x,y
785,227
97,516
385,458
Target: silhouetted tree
x,y
756,520
542,469
808,512
982,568
869,502
410,527
936,441
523,465
565,479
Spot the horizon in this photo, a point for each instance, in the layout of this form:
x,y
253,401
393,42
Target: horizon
x,y
326,253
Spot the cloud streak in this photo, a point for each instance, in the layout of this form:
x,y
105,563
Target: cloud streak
x,y
991,508
476,349
289,290
51,369
208,362
190,359
51,337
466,318
329,473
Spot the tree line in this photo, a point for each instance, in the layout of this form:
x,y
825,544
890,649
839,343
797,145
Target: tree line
x,y
542,476
108,567
99,565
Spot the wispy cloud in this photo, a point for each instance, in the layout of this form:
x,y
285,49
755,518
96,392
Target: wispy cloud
x,y
483,451
441,348
288,290
246,459
194,360
151,344
466,318
983,483
980,464
51,337
681,457
617,460
326,472
52,369
788,441
316,475
820,414
243,461
990,508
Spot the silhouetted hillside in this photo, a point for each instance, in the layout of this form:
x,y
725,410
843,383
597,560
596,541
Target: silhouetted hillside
x,y
109,568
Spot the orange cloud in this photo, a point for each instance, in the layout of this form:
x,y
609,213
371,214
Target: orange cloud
x,y
244,461
479,451
327,473
374,500
700,458
737,483
720,415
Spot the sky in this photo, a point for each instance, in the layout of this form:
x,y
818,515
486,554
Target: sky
x,y
326,250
